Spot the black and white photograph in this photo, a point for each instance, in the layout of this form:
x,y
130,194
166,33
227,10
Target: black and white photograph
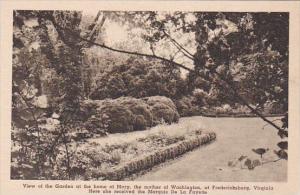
x,y
191,96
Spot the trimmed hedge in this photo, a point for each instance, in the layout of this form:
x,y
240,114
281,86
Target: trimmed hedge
x,y
127,114
155,158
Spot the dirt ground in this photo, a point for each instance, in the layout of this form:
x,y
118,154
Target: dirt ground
x,y
235,137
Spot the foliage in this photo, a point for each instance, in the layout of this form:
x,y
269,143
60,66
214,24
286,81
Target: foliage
x,y
242,40
46,79
194,104
127,114
257,42
138,78
238,46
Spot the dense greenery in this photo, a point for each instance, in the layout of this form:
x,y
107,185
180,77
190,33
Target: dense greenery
x,y
139,78
127,114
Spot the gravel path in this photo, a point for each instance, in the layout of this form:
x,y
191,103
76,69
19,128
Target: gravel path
x,y
235,137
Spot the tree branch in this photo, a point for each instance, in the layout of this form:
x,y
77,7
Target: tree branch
x,y
187,54
70,32
253,110
231,85
98,25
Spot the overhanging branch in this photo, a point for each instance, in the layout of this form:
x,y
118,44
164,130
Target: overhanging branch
x,y
124,51
179,46
231,85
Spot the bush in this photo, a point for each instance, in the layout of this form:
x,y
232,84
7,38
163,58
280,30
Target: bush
x,y
140,122
127,114
137,77
186,106
140,109
162,108
273,108
117,118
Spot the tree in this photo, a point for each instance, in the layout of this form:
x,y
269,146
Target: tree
x,y
43,49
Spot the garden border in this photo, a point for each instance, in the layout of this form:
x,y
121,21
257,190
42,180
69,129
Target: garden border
x,y
146,162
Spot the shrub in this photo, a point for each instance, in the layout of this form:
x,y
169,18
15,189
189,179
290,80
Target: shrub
x,y
186,106
128,114
140,122
200,96
115,118
273,108
138,78
140,109
162,108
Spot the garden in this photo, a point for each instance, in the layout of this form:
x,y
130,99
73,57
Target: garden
x,y
113,95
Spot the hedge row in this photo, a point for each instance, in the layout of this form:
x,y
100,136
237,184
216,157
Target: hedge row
x,y
155,158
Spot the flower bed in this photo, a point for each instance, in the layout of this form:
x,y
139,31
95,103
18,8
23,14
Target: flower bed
x,y
118,161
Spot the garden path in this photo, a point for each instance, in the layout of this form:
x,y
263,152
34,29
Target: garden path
x,y
235,137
